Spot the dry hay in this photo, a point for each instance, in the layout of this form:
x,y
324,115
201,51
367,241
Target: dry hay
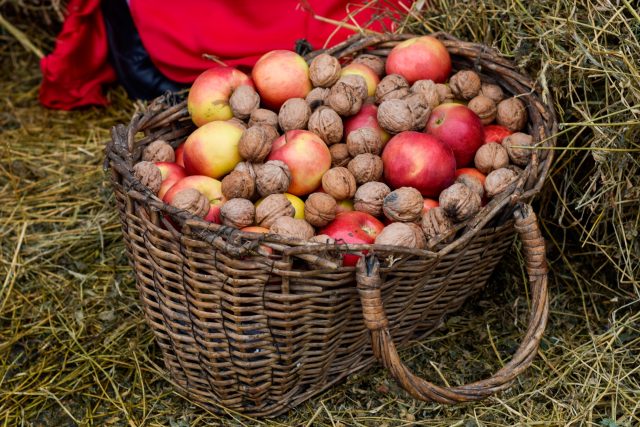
x,y
74,348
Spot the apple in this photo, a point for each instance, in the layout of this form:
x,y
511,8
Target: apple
x,y
209,187
354,228
459,128
429,204
209,95
259,230
369,76
212,149
473,172
171,173
179,151
415,159
344,206
420,58
280,75
495,133
367,117
307,157
298,205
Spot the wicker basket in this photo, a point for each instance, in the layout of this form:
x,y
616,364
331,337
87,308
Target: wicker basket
x,y
260,333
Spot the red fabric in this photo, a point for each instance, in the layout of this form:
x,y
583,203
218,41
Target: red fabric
x,y
73,75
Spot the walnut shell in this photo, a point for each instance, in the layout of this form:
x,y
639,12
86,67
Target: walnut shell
x,y
366,168
444,92
339,183
516,144
246,167
498,181
255,142
370,196
327,124
294,114
264,117
244,101
403,234
394,116
317,97
347,95
191,200
374,62
465,84
403,205
238,213
512,114
237,123
324,70
428,89
149,175
273,177
484,107
393,86
320,209
435,223
473,183
272,207
364,140
459,202
322,239
238,184
490,157
158,151
494,92
420,110
292,227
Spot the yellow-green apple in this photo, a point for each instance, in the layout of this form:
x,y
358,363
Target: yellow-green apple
x,y
298,205
345,206
209,187
495,133
180,155
212,149
171,173
307,157
429,204
353,228
459,128
420,58
367,117
415,159
209,95
280,75
370,77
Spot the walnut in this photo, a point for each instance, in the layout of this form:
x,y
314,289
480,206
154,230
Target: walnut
x,y
255,142
158,151
317,97
490,157
393,86
238,184
264,117
395,116
272,177
237,123
429,90
473,183
484,107
327,124
403,205
366,168
408,235
149,175
370,196
244,101
272,207
322,239
420,110
364,140
238,213
347,95
292,227
324,70
494,92
435,223
191,200
294,114
512,114
498,181
339,183
444,92
374,62
320,209
465,84
339,155
516,145
246,167
459,202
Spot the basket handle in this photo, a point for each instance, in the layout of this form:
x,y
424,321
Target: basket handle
x,y
375,318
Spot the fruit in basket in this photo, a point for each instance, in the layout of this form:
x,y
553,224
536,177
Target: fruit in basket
x,y
324,70
298,205
345,206
212,149
374,62
294,114
429,204
414,159
327,124
498,181
317,97
347,95
444,93
149,175
484,107
238,184
209,187
171,173
272,177
370,77
292,227
459,202
339,155
280,75
307,157
436,224
465,84
209,95
262,116
490,157
395,116
322,239
243,101
238,213
403,234
492,91
367,117
364,140
429,91
404,205
512,114
474,184
179,155
392,86
339,183
255,143
518,147
495,133
272,207
320,209
420,58
370,196
158,151
459,128
192,201
420,111
353,228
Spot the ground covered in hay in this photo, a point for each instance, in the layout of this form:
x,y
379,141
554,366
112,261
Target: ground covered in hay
x,y
74,348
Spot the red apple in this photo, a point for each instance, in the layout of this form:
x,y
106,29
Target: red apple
x,y
495,133
471,171
209,95
459,128
212,149
420,58
429,204
415,159
369,76
180,155
367,117
355,228
209,187
307,157
259,230
171,173
280,75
